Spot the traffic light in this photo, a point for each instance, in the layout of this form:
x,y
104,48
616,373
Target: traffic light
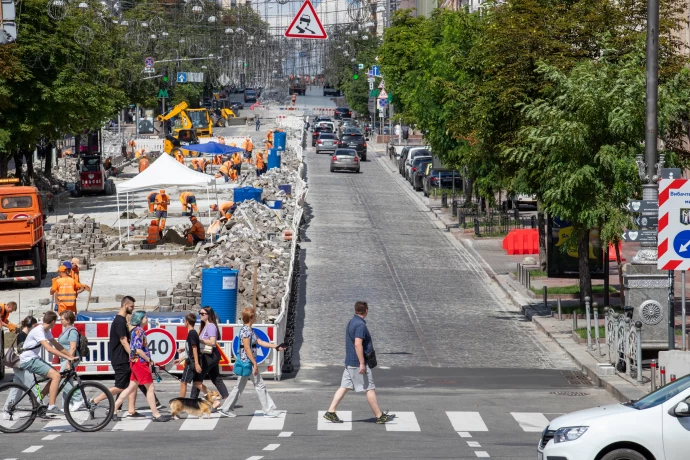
x,y
164,78
355,72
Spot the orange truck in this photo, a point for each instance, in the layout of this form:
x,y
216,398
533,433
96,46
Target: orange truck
x,y
23,250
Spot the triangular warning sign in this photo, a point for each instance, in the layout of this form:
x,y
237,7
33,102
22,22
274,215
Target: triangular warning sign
x,y
306,24
224,361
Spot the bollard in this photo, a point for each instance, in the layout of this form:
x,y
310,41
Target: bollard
x,y
476,227
596,331
653,368
444,201
662,376
588,323
533,221
546,301
673,378
628,366
574,320
560,312
638,354
519,272
529,280
454,207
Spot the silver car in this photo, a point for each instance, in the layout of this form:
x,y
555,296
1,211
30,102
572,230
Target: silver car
x,y
346,160
327,142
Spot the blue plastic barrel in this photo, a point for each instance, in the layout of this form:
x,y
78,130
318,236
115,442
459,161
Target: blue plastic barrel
x,y
219,291
287,188
255,194
239,194
279,140
273,158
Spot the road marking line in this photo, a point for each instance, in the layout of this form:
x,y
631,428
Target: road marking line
x,y
31,449
403,421
325,425
473,444
59,426
467,421
50,437
272,447
464,434
259,422
10,459
531,422
285,434
200,424
256,457
481,453
131,425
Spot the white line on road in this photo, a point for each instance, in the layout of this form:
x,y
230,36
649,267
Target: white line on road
x,y
200,424
531,421
467,421
131,425
473,444
481,454
325,425
256,457
59,426
31,449
50,437
259,422
285,434
272,447
464,434
403,421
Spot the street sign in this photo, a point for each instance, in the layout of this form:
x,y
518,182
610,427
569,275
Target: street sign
x,y
162,93
182,77
674,224
195,77
382,84
382,102
671,173
8,22
646,222
636,236
223,79
306,24
260,353
375,71
148,62
642,206
372,105
360,66
383,94
161,345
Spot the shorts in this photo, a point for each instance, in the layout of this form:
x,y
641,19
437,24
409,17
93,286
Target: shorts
x,y
353,380
141,373
36,366
191,200
122,375
188,374
162,214
247,154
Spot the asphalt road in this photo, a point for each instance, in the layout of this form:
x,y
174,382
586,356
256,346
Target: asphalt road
x,y
467,375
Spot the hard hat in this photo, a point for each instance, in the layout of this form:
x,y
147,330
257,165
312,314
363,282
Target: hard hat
x,y
67,265
62,268
75,262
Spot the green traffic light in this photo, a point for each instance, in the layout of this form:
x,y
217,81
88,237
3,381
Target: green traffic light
x,y
355,77
165,79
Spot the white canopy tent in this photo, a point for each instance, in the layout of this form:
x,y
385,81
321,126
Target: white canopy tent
x,y
164,172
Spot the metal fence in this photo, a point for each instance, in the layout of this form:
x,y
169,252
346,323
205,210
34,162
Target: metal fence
x,y
623,342
493,221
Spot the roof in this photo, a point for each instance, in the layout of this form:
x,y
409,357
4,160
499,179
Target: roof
x,y
17,190
164,172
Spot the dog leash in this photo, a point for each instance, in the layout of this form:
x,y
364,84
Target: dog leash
x,y
166,371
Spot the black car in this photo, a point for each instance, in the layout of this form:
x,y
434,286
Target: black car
x,y
357,142
441,178
318,130
321,118
249,95
342,112
418,172
416,165
236,105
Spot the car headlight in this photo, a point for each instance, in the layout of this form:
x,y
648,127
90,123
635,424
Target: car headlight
x,y
570,433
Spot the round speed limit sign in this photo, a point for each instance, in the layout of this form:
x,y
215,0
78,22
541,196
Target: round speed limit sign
x,y
162,346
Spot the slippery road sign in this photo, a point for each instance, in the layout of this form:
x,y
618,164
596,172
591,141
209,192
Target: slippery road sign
x,y
306,24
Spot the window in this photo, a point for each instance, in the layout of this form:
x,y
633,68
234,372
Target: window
x,y
663,394
17,202
326,136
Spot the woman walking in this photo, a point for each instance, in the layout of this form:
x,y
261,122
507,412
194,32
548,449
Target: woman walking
x,y
249,342
69,339
210,356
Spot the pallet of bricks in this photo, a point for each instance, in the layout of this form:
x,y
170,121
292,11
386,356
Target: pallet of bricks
x,y
76,237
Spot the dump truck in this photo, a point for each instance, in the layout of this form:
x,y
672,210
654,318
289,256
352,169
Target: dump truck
x,y
297,86
23,250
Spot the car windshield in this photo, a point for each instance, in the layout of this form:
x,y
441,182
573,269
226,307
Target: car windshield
x,y
352,137
91,165
348,152
421,153
448,174
14,202
663,394
326,136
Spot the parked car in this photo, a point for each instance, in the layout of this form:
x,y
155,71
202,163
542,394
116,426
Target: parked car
x,y
345,159
418,164
418,171
654,427
413,153
402,159
347,123
523,198
342,112
357,142
326,142
318,130
441,178
319,118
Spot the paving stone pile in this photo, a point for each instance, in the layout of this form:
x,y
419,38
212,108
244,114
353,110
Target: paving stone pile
x,y
76,237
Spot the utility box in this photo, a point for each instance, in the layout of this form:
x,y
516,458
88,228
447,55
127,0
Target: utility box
x,y
646,290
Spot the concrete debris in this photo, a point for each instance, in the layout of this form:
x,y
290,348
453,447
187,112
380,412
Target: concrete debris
x,y
76,237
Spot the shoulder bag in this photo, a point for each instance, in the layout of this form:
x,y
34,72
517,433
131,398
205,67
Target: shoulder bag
x,y
369,358
203,348
11,358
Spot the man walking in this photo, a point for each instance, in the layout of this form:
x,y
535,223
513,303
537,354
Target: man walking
x,y
357,375
258,122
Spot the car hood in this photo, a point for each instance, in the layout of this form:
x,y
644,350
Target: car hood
x,y
586,417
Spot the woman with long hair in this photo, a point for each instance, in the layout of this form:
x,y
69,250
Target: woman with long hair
x,y
210,356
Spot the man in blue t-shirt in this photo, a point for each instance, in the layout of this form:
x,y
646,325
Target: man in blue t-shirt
x,y
357,375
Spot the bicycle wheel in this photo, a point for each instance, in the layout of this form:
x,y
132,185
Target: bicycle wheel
x,y
85,416
18,408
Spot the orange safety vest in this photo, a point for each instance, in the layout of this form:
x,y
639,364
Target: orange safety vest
x,y
179,157
198,230
152,200
4,317
162,201
75,274
233,175
236,158
269,136
218,160
259,161
143,164
184,196
66,294
154,232
224,169
249,146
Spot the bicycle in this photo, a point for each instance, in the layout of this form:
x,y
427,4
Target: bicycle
x,y
19,405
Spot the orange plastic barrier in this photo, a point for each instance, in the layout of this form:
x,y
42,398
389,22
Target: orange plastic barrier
x,y
522,241
612,252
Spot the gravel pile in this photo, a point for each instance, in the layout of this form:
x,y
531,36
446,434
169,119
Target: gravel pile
x,y
80,238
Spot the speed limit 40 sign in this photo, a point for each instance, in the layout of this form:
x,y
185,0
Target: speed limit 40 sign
x,y
162,346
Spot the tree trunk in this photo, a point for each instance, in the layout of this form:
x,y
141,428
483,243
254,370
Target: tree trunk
x,y
17,164
29,155
619,263
3,165
469,186
48,165
541,225
583,267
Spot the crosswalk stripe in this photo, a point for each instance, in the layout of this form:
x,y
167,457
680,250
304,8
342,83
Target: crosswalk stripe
x,y
325,425
531,421
50,437
259,422
132,425
31,449
285,434
403,421
272,447
481,454
58,426
467,421
200,424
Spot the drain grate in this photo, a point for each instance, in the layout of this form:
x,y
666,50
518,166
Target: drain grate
x,y
569,393
576,378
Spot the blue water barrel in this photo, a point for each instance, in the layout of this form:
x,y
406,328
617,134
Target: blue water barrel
x,y
273,158
279,140
219,291
287,188
255,194
239,194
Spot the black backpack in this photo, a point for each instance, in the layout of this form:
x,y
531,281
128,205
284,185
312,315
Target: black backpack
x,y
82,344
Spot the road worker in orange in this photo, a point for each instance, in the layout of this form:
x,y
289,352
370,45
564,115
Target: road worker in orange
x,y
196,233
179,157
143,164
162,202
188,201
217,160
225,210
5,310
260,164
66,290
152,200
199,164
248,150
75,269
153,233
237,162
226,171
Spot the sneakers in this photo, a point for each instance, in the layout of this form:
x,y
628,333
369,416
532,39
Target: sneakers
x,y
6,416
134,414
159,406
384,418
333,417
76,406
55,410
271,414
226,413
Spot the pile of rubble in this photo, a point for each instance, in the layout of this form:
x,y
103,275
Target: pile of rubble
x,y
81,237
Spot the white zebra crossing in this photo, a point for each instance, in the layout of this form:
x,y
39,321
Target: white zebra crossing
x,y
259,422
403,421
467,422
192,423
531,422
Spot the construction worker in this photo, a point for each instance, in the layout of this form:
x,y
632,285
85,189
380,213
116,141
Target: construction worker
x,y
5,310
143,164
152,200
237,162
153,232
196,233
162,202
226,171
66,290
179,157
188,201
248,149
75,269
199,164
217,160
225,210
260,164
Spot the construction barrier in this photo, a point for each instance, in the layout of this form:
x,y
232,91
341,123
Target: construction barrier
x,y
522,241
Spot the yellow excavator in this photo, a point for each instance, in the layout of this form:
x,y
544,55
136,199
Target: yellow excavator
x,y
196,119
220,112
171,144
179,110
201,122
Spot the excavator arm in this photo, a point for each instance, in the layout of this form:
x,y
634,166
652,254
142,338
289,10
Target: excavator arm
x,y
179,109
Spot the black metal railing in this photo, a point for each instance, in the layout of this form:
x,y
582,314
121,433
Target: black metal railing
x,y
494,222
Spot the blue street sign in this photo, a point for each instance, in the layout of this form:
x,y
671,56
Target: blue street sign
x,y
382,102
681,244
375,71
148,62
182,77
260,353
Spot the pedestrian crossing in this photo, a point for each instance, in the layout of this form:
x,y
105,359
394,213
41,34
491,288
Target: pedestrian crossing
x,y
464,423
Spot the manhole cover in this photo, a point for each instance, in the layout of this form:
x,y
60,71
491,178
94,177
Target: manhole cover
x,y
576,378
569,393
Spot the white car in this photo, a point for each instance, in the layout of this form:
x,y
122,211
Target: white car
x,y
656,427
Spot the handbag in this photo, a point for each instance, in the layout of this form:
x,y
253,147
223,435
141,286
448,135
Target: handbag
x,y
11,358
369,358
203,348
243,368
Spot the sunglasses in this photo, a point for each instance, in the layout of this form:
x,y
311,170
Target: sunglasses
x,y
203,313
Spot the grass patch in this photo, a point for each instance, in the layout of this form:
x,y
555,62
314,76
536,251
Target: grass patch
x,y
537,272
490,235
572,290
582,332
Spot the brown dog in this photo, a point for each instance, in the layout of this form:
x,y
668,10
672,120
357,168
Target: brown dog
x,y
197,407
